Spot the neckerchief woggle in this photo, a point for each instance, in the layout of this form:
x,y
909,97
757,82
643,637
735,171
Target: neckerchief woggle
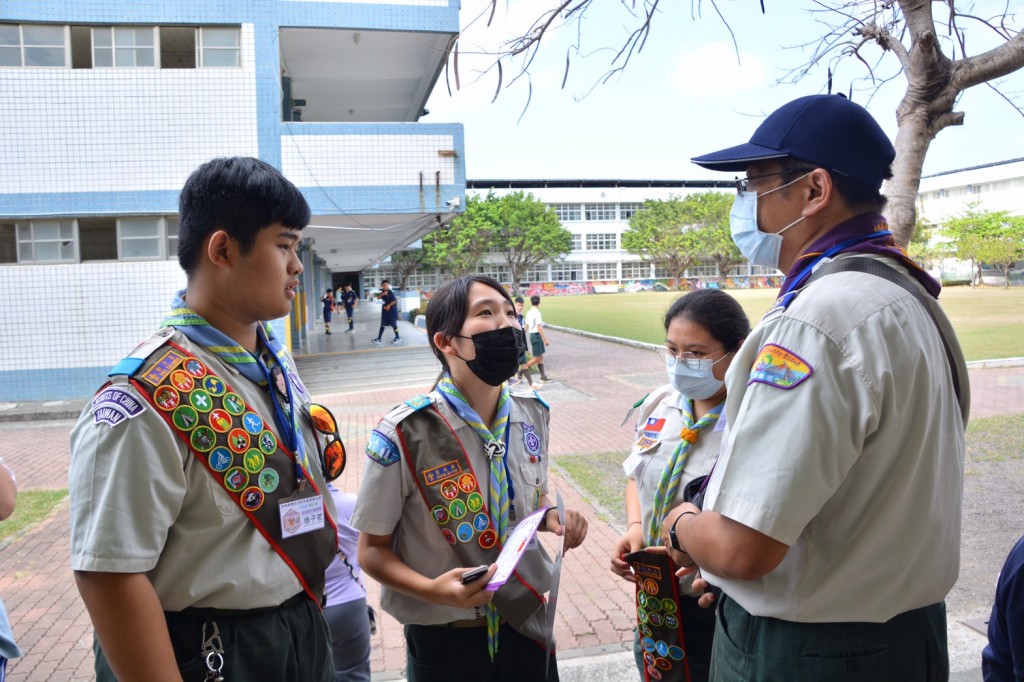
x,y
868,233
251,366
500,485
668,484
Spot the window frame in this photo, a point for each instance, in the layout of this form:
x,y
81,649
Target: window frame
x,y
602,241
113,47
33,240
201,47
22,47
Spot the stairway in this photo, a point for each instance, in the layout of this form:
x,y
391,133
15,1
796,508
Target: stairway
x,y
370,370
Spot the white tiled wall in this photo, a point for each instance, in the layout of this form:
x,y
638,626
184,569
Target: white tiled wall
x,y
361,160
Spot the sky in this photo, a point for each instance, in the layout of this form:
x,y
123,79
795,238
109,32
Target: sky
x,y
685,94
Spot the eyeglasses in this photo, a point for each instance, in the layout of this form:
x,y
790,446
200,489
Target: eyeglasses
x,y
743,183
688,359
332,450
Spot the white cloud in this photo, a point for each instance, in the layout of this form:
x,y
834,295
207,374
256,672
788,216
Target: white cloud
x,y
713,70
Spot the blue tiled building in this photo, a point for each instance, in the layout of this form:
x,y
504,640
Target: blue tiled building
x,y
108,106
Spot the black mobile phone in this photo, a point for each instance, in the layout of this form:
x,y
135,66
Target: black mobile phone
x,y
474,574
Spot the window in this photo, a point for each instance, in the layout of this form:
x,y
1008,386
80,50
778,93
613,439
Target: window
x,y
177,47
140,238
602,271
32,45
123,46
220,47
498,272
8,243
600,211
627,211
97,238
943,193
974,189
636,270
46,241
602,241
566,211
172,236
566,272
577,243
704,269
538,273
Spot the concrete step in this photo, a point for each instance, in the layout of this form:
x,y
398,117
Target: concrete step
x,y
348,372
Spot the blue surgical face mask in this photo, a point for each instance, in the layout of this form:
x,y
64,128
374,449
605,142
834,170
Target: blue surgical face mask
x,y
696,384
760,248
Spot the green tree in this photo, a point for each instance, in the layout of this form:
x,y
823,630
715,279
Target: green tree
x,y
666,233
993,237
715,239
458,247
923,248
406,263
528,232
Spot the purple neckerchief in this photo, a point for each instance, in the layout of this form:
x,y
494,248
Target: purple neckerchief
x,y
860,226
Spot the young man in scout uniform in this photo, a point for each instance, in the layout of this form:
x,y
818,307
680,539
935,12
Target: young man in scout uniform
x,y
388,313
350,300
832,519
200,528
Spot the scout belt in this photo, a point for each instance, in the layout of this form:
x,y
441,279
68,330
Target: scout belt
x,y
235,444
657,616
452,493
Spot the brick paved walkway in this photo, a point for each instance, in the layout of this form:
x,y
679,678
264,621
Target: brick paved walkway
x,y
595,382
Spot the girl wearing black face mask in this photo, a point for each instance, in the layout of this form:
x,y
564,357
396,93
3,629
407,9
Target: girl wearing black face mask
x,y
465,463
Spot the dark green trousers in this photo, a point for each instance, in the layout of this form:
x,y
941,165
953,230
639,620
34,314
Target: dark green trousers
x,y
441,653
909,648
291,643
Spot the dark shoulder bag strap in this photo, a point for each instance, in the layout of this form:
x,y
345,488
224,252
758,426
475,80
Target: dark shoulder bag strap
x,y
875,267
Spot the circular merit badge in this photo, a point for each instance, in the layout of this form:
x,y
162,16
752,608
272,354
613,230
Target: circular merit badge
x,y
234,404
654,604
647,644
252,422
200,400
252,498
668,606
467,483
656,619
653,672
166,398
475,502
269,480
213,386
182,381
440,514
648,658
449,536
641,615
457,509
268,443
661,646
238,441
650,586
203,439
220,421
646,631
449,490
663,663
641,598
675,652
185,418
253,461
235,479
488,538
481,522
465,532
195,368
220,459
672,622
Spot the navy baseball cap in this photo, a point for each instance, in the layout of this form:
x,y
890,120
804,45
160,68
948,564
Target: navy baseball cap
x,y
828,131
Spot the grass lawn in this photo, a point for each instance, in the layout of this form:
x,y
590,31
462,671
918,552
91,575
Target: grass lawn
x,y
600,480
32,507
989,320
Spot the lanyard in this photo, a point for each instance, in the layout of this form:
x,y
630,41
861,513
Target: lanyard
x,y
789,291
286,424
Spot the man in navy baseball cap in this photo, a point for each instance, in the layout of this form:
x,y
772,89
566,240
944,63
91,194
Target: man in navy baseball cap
x,y
831,521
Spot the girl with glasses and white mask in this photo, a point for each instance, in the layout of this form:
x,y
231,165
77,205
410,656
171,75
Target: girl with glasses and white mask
x,y
677,438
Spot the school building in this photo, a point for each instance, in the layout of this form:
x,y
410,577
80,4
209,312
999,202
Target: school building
x,y
107,107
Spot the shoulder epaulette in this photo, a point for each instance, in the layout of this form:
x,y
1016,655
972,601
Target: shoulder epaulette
x,y
133,363
541,400
419,402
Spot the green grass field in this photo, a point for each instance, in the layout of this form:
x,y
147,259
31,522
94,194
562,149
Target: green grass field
x,y
989,321
32,507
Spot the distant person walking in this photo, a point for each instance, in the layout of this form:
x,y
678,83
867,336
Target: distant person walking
x,y
328,300
523,370
538,339
388,313
350,300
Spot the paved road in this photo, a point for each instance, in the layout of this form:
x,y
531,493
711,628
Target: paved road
x,y
595,382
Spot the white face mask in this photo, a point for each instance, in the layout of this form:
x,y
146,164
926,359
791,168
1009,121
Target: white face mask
x,y
760,248
696,384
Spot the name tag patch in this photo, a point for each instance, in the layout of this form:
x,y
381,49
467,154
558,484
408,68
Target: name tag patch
x,y
440,473
114,405
779,367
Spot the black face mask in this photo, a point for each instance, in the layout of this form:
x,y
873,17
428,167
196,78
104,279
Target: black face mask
x,y
497,354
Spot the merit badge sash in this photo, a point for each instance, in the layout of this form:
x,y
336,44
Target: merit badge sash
x,y
243,455
657,616
452,492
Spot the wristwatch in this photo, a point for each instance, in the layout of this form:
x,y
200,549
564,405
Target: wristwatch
x,y
672,532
